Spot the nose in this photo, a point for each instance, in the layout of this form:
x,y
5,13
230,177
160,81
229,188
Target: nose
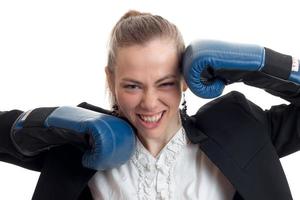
x,y
150,100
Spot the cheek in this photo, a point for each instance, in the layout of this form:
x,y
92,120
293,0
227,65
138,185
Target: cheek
x,y
175,100
126,102
172,98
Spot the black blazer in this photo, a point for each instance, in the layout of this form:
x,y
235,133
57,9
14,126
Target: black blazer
x,y
241,139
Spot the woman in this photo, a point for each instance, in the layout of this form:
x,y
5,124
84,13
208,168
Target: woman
x,y
237,159
146,84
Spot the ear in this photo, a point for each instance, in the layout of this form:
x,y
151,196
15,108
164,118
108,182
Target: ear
x,y
110,79
183,85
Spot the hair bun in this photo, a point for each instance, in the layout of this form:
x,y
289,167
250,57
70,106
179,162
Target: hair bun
x,y
132,13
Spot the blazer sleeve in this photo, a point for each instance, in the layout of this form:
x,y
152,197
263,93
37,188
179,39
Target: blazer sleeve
x,y
8,153
284,126
283,120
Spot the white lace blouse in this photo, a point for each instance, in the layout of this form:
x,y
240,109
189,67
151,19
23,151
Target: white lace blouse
x,y
180,171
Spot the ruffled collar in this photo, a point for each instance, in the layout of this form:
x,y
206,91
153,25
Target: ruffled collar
x,y
156,177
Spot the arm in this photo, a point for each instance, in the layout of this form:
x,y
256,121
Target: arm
x,y
107,141
210,65
27,136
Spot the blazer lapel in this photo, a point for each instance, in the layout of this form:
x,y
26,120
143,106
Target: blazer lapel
x,y
213,151
247,158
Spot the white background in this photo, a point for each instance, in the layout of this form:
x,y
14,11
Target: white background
x,y
53,53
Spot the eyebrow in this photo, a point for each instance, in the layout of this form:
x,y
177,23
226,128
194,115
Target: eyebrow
x,y
156,82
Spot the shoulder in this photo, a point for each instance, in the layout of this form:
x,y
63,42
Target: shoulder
x,y
94,108
232,101
235,124
233,98
229,112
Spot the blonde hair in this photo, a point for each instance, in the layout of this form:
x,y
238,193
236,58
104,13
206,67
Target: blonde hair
x,y
136,28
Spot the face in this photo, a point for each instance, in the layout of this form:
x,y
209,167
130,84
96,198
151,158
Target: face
x,y
147,86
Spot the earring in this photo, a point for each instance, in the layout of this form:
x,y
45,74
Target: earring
x,y
115,110
184,106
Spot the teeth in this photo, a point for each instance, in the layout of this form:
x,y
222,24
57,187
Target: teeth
x,y
152,119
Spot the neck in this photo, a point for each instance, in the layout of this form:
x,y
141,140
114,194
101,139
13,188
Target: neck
x,y
155,145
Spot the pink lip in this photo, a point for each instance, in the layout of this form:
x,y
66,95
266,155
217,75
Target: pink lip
x,y
149,125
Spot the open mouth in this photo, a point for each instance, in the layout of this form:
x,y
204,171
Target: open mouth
x,y
151,118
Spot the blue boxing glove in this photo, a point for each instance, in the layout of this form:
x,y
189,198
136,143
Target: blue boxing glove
x,y
209,65
107,141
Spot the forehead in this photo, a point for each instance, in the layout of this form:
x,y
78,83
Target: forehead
x,y
158,56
